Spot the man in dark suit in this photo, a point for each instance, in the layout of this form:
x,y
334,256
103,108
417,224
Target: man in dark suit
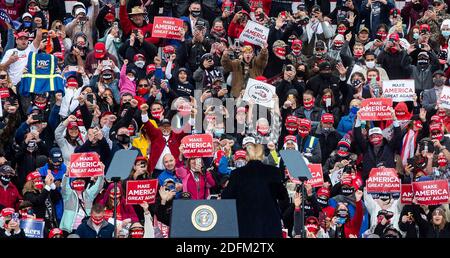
x,y
258,190
431,96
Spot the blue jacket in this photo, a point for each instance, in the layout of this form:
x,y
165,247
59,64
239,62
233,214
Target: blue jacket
x,y
59,206
167,174
86,230
346,124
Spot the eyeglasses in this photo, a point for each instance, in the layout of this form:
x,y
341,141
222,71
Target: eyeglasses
x,y
143,85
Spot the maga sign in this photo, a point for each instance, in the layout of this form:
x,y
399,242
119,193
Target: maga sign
x,y
85,164
445,98
399,90
317,175
32,228
383,180
254,33
260,92
376,109
139,191
433,192
167,27
407,194
197,146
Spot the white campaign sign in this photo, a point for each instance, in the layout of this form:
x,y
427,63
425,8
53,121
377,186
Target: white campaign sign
x,y
260,92
445,98
254,33
335,177
399,90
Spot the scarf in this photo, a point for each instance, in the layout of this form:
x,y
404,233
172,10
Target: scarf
x,y
408,145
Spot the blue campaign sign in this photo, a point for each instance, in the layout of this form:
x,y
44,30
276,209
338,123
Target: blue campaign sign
x,y
32,228
4,16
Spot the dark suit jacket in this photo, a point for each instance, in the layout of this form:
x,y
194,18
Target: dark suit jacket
x,y
257,189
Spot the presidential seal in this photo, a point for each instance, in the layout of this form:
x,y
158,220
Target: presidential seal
x,y
204,218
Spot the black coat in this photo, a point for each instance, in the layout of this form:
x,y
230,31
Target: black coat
x,y
328,142
385,154
257,189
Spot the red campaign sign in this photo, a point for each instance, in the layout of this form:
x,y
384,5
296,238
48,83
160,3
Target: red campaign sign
x,y
407,194
383,180
433,192
197,146
376,109
317,175
139,191
167,27
85,164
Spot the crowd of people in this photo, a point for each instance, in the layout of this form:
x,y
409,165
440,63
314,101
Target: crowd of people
x,y
89,76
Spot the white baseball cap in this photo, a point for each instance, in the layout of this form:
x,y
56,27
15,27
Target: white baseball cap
x,y
375,130
248,139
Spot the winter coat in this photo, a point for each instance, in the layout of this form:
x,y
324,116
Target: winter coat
x,y
257,188
86,230
396,65
128,26
199,190
73,28
328,141
385,155
9,196
236,66
72,204
126,210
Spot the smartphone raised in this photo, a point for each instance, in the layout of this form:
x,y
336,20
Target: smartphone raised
x,y
90,98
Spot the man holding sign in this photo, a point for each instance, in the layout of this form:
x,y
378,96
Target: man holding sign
x,y
250,66
377,151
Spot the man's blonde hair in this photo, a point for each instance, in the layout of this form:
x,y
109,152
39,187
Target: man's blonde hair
x,y
255,152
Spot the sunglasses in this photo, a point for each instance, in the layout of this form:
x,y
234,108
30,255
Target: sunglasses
x,y
143,85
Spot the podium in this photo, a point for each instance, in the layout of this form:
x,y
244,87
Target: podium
x,y
204,219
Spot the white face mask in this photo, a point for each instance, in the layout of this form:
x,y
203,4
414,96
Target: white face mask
x,y
131,78
140,64
370,64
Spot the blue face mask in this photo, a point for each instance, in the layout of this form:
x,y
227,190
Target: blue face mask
x,y
27,24
354,110
446,34
416,36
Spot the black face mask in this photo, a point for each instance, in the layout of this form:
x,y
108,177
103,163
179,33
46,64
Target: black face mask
x,y
5,180
323,202
107,76
301,74
347,191
195,14
123,138
423,62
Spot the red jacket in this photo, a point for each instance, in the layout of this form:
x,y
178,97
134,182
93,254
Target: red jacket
x,y
354,225
189,185
10,197
158,143
128,26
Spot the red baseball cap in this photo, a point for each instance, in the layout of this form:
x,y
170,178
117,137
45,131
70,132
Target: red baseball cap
x,y
99,50
424,27
72,82
290,138
327,118
304,122
72,125
151,68
22,34
7,212
240,154
169,49
33,175
436,119
323,192
137,56
291,119
394,36
140,158
54,232
297,42
435,127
